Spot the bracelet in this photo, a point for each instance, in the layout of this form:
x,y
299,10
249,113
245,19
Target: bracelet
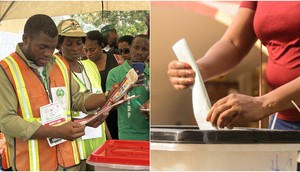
x,y
106,95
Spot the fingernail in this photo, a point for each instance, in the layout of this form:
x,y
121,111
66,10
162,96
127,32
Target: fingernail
x,y
190,73
187,66
190,80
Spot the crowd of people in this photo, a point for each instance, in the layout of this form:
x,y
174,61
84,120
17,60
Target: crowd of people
x,y
60,72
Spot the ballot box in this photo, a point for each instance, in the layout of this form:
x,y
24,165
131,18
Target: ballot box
x,y
121,155
188,148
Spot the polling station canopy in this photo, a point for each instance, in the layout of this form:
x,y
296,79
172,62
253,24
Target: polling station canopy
x,y
13,15
14,12
24,9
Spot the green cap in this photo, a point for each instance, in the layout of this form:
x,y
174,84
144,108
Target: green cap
x,y
106,29
70,28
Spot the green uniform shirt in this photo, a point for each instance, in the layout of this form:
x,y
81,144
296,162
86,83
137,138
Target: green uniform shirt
x,y
132,124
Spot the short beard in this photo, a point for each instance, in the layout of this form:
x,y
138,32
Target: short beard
x,y
29,54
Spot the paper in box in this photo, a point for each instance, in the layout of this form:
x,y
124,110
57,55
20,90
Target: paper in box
x,y
200,99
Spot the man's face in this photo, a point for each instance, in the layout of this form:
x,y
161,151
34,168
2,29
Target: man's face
x,y
112,39
71,48
92,50
39,48
139,49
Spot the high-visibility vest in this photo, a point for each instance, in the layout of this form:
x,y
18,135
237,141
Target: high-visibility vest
x,y
93,75
87,146
33,154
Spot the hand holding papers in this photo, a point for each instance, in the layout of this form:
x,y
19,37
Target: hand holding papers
x,y
101,114
201,102
113,100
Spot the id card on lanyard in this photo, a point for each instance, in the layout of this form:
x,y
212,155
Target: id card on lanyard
x,y
59,96
53,114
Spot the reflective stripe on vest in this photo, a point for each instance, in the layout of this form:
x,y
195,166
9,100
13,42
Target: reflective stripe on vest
x,y
86,146
16,76
93,75
64,70
81,148
26,110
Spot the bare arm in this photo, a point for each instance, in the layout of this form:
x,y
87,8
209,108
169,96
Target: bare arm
x,y
280,98
229,110
223,56
234,45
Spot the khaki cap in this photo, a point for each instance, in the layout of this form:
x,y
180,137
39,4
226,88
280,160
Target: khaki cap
x,y
70,28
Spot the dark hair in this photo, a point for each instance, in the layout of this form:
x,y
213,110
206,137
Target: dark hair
x,y
141,36
40,23
126,38
61,40
96,35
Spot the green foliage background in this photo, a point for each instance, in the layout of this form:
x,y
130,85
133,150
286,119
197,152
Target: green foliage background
x,y
125,22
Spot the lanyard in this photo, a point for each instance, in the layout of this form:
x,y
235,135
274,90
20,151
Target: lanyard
x,y
46,84
84,77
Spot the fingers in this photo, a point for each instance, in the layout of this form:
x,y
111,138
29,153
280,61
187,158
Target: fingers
x,y
180,69
222,117
115,86
218,115
214,111
77,135
223,114
181,75
182,83
175,64
72,130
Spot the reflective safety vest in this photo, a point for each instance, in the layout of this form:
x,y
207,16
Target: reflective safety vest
x,y
33,154
93,75
87,146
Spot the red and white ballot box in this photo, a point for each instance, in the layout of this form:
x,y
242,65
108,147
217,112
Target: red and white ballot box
x,y
121,155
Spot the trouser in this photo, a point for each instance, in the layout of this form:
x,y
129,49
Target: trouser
x,y
286,125
75,168
86,167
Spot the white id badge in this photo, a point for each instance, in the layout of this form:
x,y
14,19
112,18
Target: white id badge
x,y
59,96
51,115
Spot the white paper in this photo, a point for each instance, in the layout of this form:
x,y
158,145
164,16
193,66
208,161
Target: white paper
x,y
91,133
201,102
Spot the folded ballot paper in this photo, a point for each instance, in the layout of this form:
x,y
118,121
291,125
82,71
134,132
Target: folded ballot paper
x,y
114,99
200,99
